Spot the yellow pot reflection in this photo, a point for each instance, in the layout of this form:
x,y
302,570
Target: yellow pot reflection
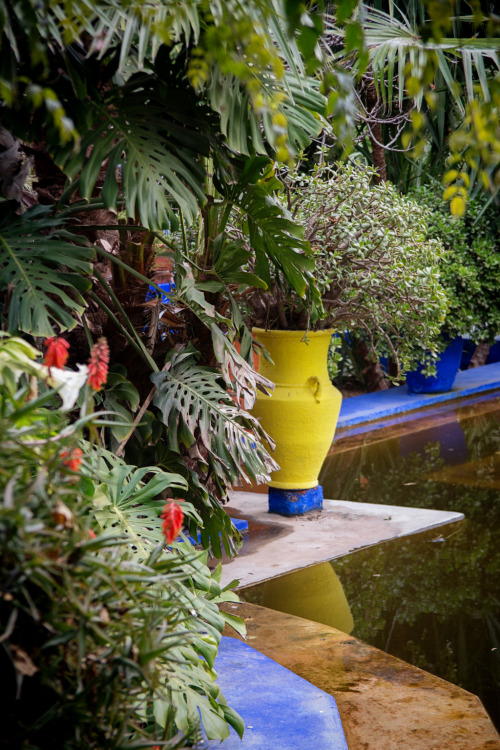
x,y
314,593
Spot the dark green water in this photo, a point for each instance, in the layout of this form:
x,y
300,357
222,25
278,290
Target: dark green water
x,y
431,599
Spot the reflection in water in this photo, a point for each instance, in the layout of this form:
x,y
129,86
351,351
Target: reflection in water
x,y
314,593
431,599
449,437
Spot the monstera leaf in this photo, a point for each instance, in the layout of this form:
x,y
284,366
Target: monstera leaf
x,y
124,502
149,139
201,415
44,269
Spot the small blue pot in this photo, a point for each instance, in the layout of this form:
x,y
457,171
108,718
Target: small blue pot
x,y
447,367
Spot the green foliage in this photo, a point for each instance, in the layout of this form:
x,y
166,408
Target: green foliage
x,y
276,241
475,150
434,73
375,270
470,269
108,640
169,151
236,54
156,147
190,399
46,266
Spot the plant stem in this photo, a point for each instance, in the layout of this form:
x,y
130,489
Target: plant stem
x,y
140,349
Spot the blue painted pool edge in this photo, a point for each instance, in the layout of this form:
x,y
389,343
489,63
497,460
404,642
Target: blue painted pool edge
x,y
281,710
372,406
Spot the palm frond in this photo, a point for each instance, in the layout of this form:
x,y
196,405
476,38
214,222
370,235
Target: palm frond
x,y
388,37
299,102
44,269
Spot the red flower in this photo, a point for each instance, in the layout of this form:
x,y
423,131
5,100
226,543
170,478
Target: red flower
x,y
57,352
173,517
98,364
91,533
72,459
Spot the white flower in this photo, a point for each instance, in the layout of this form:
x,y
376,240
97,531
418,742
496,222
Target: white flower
x,y
68,383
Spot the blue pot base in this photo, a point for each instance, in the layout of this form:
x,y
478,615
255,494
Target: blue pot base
x,y
295,502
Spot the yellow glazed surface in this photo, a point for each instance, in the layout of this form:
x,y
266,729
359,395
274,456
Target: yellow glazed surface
x,y
302,413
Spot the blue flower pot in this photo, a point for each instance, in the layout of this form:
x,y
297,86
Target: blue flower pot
x,y
447,367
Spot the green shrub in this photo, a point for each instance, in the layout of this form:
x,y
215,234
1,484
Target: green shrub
x,y
470,270
375,268
108,639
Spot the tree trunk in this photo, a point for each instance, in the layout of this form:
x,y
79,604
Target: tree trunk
x,y
480,356
372,372
376,138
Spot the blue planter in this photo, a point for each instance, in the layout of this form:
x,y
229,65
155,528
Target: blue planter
x,y
446,369
494,353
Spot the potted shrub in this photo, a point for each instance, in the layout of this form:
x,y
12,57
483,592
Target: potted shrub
x,y
470,274
376,273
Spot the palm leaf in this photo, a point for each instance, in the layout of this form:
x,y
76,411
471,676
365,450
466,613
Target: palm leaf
x,y
200,414
387,35
46,269
246,129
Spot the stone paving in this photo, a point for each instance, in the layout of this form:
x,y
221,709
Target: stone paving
x,y
280,544
384,703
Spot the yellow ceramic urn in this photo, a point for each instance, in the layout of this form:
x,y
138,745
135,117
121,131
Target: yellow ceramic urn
x,y
302,413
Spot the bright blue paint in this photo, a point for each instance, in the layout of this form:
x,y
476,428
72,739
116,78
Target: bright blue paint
x,y
494,353
393,401
295,502
446,370
281,710
240,524
153,292
467,352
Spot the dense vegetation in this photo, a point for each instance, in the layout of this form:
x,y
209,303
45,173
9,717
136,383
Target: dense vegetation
x,y
142,144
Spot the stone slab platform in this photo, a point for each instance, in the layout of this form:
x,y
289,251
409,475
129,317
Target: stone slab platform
x,y
277,544
281,710
373,406
384,703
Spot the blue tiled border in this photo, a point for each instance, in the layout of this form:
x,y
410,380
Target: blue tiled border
x,y
281,710
372,406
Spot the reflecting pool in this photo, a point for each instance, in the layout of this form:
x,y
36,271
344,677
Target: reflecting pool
x,y
431,599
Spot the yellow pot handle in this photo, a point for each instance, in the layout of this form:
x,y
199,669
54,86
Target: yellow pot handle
x,y
314,384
